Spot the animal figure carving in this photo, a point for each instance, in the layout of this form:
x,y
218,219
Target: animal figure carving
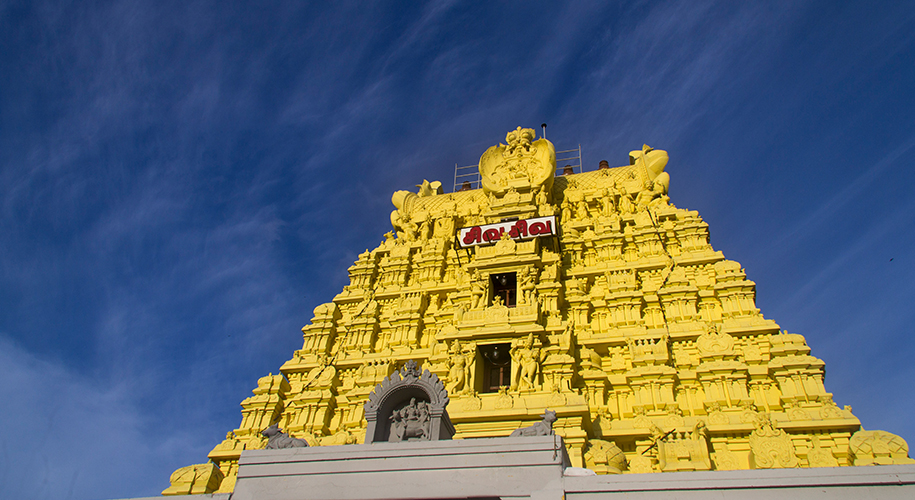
x,y
542,428
277,439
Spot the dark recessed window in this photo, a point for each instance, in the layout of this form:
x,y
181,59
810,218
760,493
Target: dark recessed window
x,y
497,363
505,285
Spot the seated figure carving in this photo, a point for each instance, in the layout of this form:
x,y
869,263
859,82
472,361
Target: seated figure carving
x,y
408,405
412,422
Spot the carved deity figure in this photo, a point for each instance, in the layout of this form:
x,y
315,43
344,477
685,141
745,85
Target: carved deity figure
x,y
566,210
461,361
411,423
658,189
542,198
625,204
581,210
644,197
607,202
525,364
565,340
477,291
405,227
425,228
526,286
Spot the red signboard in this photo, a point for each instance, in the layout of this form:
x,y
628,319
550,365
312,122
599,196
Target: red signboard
x,y
516,229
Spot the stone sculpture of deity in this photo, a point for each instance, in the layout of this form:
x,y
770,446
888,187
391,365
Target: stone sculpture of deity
x,y
412,422
526,364
461,361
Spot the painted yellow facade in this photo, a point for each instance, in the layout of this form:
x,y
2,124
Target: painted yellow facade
x,y
645,340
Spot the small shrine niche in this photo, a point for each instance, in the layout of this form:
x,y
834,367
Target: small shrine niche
x,y
408,406
504,288
496,367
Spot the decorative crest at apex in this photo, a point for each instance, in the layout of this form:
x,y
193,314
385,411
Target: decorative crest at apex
x,y
519,141
523,165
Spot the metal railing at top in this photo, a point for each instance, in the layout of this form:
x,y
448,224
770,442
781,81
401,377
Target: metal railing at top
x,y
564,157
468,177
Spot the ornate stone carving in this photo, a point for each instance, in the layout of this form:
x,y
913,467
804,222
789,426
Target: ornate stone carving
x,y
406,402
541,428
641,421
878,448
505,400
820,456
471,403
795,412
505,246
194,480
726,459
675,419
685,450
557,398
713,343
770,447
830,409
230,443
716,416
411,422
404,201
749,413
605,457
619,316
640,464
521,163
277,439
461,366
526,364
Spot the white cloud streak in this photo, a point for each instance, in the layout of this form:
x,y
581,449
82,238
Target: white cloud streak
x,y
63,436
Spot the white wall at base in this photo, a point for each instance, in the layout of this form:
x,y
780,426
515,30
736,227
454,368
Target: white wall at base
x,y
883,481
498,467
525,468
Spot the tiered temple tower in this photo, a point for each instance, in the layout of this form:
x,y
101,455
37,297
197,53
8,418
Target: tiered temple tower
x,y
588,294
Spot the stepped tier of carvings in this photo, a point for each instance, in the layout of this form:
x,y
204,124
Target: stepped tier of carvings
x,y
645,341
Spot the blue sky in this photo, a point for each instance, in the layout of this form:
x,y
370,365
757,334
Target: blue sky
x,y
181,183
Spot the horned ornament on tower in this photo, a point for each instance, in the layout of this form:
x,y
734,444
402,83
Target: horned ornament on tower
x,y
523,164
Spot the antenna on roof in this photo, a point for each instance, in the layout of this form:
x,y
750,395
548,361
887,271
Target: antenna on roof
x,y
543,126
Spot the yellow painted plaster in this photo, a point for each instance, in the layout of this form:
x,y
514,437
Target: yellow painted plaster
x,y
645,340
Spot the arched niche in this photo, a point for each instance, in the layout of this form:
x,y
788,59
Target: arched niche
x,y
408,406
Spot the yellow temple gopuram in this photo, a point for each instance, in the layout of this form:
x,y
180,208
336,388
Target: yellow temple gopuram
x,y
589,294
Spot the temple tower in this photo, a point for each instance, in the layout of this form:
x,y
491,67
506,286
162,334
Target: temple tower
x,y
589,294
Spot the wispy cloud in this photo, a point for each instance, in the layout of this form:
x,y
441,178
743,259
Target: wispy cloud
x,y
181,183
827,210
67,435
